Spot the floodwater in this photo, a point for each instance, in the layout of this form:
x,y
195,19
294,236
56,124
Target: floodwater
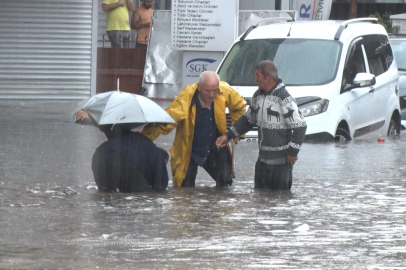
x,y
346,210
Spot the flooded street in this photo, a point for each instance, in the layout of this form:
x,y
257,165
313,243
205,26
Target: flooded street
x,y
346,209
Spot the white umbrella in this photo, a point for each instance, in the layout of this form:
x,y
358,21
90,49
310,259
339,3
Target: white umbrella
x,y
116,107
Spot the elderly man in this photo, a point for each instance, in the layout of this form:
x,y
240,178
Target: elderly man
x,y
281,129
199,111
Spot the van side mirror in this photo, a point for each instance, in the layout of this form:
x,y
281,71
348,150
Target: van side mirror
x,y
360,80
364,79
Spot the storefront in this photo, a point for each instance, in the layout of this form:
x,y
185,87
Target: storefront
x,y
47,49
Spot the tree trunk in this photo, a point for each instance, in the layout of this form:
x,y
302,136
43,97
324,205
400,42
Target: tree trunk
x,y
353,9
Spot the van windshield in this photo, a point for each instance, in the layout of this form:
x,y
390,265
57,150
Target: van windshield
x,y
299,61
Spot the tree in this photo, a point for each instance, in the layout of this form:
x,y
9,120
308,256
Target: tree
x,y
353,9
386,22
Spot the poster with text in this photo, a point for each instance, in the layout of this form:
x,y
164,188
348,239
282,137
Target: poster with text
x,y
203,25
194,63
313,9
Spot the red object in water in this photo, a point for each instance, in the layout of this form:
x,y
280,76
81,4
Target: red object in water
x,y
381,140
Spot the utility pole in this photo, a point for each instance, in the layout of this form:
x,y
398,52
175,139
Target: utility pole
x,y
353,9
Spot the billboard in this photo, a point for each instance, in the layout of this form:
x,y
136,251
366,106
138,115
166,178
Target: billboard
x,y
203,25
312,9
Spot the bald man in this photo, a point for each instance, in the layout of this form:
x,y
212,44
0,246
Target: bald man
x,y
199,112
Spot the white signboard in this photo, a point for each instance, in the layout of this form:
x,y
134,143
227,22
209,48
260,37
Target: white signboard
x,y
194,63
204,25
401,23
313,9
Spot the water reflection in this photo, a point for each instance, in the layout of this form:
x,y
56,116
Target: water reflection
x,y
346,209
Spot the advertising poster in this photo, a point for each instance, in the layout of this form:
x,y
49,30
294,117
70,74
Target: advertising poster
x,y
313,9
194,63
203,25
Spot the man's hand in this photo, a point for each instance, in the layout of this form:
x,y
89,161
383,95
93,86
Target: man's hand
x,y
82,115
120,3
235,140
222,141
291,159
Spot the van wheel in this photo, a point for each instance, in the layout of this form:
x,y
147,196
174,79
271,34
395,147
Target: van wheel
x,y
342,136
393,129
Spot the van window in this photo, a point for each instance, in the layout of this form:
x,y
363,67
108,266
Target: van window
x,y
299,61
379,53
355,64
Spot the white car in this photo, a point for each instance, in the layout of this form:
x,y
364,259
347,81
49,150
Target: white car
x,y
398,43
342,74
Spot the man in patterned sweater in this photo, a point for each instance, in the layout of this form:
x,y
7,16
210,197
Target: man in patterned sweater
x,y
281,129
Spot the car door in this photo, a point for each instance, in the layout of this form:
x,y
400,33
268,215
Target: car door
x,y
379,57
359,99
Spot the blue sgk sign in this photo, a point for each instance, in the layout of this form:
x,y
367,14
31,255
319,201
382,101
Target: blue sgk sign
x,y
304,11
198,65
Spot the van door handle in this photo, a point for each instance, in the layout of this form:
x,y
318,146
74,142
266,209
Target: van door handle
x,y
371,90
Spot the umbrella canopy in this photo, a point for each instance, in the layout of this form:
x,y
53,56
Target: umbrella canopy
x,y
116,107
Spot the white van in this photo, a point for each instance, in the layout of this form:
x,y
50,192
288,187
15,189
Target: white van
x,y
342,74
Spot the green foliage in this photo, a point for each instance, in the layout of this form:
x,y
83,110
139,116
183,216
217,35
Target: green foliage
x,y
386,22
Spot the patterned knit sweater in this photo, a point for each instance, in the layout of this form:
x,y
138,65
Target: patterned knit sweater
x,y
281,126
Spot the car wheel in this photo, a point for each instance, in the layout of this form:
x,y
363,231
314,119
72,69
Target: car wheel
x,y
342,135
393,129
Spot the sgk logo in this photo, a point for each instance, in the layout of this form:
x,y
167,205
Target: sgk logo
x,y
198,65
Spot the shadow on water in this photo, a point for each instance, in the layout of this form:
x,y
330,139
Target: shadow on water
x,y
346,209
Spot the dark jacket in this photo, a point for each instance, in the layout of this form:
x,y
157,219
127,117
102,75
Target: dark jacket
x,y
136,158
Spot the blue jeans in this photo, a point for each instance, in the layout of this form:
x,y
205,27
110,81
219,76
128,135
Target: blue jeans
x,y
119,39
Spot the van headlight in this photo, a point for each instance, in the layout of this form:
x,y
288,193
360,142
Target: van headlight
x,y
313,108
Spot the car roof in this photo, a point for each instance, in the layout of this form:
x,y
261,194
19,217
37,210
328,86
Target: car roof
x,y
315,30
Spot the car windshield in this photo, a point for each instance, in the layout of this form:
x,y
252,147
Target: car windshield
x,y
399,50
299,61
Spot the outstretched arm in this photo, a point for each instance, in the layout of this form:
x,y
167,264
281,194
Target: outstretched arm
x,y
152,131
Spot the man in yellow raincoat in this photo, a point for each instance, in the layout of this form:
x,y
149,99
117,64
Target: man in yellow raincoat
x,y
199,112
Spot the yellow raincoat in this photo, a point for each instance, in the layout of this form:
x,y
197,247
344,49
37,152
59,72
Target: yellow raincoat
x,y
185,115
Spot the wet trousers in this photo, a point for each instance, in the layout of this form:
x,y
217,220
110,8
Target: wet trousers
x,y
276,177
119,39
113,171
217,167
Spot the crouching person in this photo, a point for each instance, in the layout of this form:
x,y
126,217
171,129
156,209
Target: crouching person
x,y
129,162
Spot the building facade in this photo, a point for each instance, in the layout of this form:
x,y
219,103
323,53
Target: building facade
x,y
48,48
